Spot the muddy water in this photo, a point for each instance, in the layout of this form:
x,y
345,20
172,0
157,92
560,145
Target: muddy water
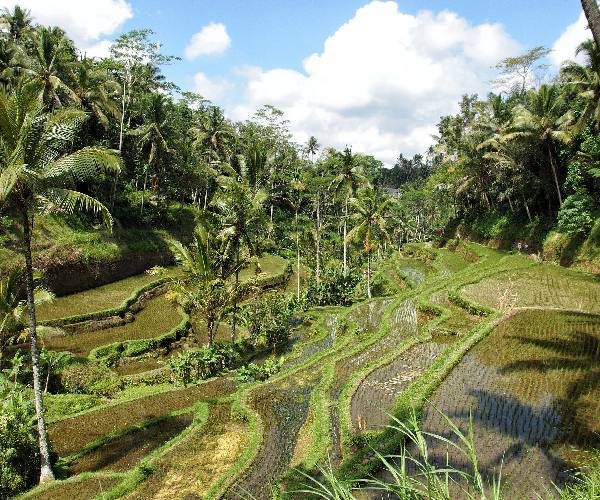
x,y
415,275
283,408
403,324
533,390
332,324
375,397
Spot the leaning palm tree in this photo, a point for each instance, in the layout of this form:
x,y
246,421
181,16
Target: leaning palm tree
x,y
37,168
214,136
344,185
592,14
371,227
544,122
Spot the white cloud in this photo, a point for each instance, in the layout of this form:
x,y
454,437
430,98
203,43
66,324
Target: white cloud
x,y
565,46
212,39
211,88
85,21
98,50
383,79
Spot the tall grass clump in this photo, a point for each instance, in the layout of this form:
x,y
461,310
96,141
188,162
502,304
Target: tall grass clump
x,y
411,474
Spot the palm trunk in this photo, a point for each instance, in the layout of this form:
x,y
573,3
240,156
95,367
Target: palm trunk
x,y
46,473
144,192
554,175
345,242
527,208
592,13
235,297
297,258
318,243
369,273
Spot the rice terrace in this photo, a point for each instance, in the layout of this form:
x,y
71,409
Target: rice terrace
x,y
200,299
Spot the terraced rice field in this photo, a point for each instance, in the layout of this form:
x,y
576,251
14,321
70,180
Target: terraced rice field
x,y
157,318
532,388
72,434
99,299
532,385
193,465
540,286
283,408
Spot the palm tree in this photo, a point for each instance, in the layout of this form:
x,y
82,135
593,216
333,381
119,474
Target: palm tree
x,y
18,21
151,138
49,64
371,227
93,89
543,122
312,146
345,184
35,171
240,215
586,82
207,288
214,136
592,13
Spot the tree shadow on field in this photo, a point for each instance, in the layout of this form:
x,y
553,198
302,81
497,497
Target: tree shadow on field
x,y
577,361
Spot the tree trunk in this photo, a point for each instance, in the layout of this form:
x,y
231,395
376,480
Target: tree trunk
x,y
297,257
592,13
345,242
235,297
369,273
527,209
318,243
46,473
144,192
554,174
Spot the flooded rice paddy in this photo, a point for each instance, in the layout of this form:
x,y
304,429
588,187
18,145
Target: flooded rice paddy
x,y
532,390
283,408
540,286
194,464
157,318
72,434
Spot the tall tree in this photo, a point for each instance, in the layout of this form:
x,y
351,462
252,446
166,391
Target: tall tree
x,y
348,178
152,139
240,218
586,81
50,65
592,13
37,166
371,227
206,287
544,121
18,22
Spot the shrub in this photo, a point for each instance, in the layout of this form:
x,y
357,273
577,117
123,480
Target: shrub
x,y
268,319
334,288
199,364
254,372
89,378
19,460
575,214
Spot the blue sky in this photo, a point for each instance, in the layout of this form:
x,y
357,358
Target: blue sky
x,y
279,33
375,75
